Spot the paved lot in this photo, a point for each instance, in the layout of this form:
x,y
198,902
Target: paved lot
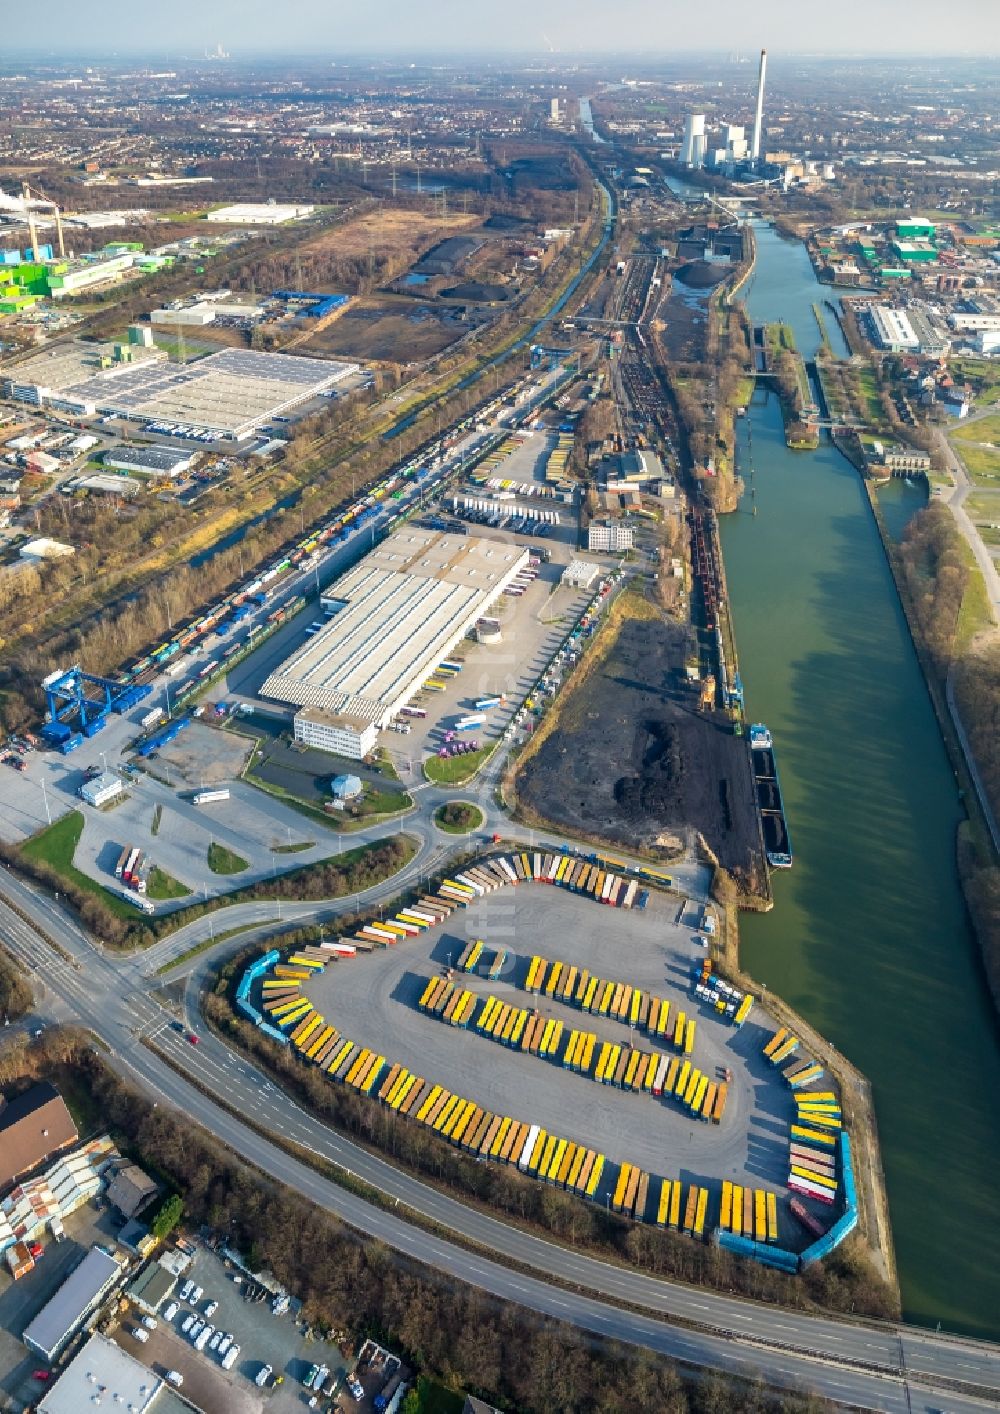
x,y
263,1339
373,1000
533,627
202,755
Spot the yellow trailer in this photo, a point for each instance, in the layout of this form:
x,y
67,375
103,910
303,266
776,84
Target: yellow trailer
x,y
760,1215
775,1041
726,1212
675,1204
595,1175
663,1207
702,1209
772,1218
736,1216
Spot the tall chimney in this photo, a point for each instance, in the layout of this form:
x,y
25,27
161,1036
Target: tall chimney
x,y
758,121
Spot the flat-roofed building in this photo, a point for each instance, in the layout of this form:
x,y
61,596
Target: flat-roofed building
x,y
103,788
580,574
612,536
103,1366
893,330
269,213
343,735
394,617
73,1304
33,1127
150,461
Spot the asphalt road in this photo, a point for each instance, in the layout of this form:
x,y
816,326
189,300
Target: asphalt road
x,y
850,1363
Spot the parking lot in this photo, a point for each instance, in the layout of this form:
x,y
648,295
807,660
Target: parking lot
x,y
264,1339
373,1000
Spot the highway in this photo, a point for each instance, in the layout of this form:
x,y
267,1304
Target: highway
x,y
850,1363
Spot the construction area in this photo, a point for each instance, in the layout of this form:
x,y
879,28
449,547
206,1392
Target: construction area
x,y
651,767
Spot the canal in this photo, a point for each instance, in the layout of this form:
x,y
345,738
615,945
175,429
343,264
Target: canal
x,y
869,937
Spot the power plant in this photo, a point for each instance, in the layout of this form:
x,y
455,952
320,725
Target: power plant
x,y
758,121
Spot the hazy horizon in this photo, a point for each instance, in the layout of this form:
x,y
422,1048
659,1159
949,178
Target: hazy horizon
x,y
554,29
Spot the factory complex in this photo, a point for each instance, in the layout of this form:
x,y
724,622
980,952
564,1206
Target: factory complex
x,y
226,395
393,618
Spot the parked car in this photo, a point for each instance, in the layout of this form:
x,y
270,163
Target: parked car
x,y
149,1322
140,1335
225,1342
187,1323
196,1329
204,1337
231,1356
356,1387
196,1295
175,1377
169,1312
211,1308
186,1290
216,1341
263,1375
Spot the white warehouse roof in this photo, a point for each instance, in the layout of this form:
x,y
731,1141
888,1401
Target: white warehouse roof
x,y
399,612
123,1381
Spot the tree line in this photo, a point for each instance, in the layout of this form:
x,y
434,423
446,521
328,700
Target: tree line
x,y
358,1288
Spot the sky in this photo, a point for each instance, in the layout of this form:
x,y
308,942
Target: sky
x,y
648,27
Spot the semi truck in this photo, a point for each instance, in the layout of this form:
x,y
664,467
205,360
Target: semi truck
x,y
206,797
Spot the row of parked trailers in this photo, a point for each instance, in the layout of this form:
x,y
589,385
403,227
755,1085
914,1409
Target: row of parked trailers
x,y
581,875
619,1000
812,1149
665,1202
605,1062
749,1212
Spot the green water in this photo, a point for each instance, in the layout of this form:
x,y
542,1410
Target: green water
x,y
869,937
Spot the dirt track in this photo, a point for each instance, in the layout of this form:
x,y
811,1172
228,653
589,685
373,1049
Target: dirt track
x,y
633,761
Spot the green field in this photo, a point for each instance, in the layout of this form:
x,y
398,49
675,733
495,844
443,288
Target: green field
x,y
162,885
455,770
223,861
979,448
984,429
56,846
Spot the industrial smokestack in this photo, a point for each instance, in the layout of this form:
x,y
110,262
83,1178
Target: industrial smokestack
x,y
758,121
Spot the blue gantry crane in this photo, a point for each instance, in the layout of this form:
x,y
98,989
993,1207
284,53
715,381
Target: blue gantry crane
x,y
78,704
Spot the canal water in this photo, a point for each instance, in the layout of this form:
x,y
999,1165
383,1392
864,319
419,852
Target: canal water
x,y
869,937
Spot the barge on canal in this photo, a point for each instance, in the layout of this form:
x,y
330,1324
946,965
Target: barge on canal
x,y
777,845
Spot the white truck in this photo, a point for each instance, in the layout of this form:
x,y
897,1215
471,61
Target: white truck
x,y
206,797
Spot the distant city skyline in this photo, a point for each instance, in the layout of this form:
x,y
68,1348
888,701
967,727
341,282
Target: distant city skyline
x,y
252,28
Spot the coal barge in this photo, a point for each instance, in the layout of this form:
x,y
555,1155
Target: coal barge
x,y
777,845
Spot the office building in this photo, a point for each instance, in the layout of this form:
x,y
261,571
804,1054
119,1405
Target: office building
x,y
611,536
102,789
336,732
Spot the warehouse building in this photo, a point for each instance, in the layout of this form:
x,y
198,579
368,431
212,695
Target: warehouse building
x,y
227,394
893,330
73,1304
102,1366
395,616
269,213
150,461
